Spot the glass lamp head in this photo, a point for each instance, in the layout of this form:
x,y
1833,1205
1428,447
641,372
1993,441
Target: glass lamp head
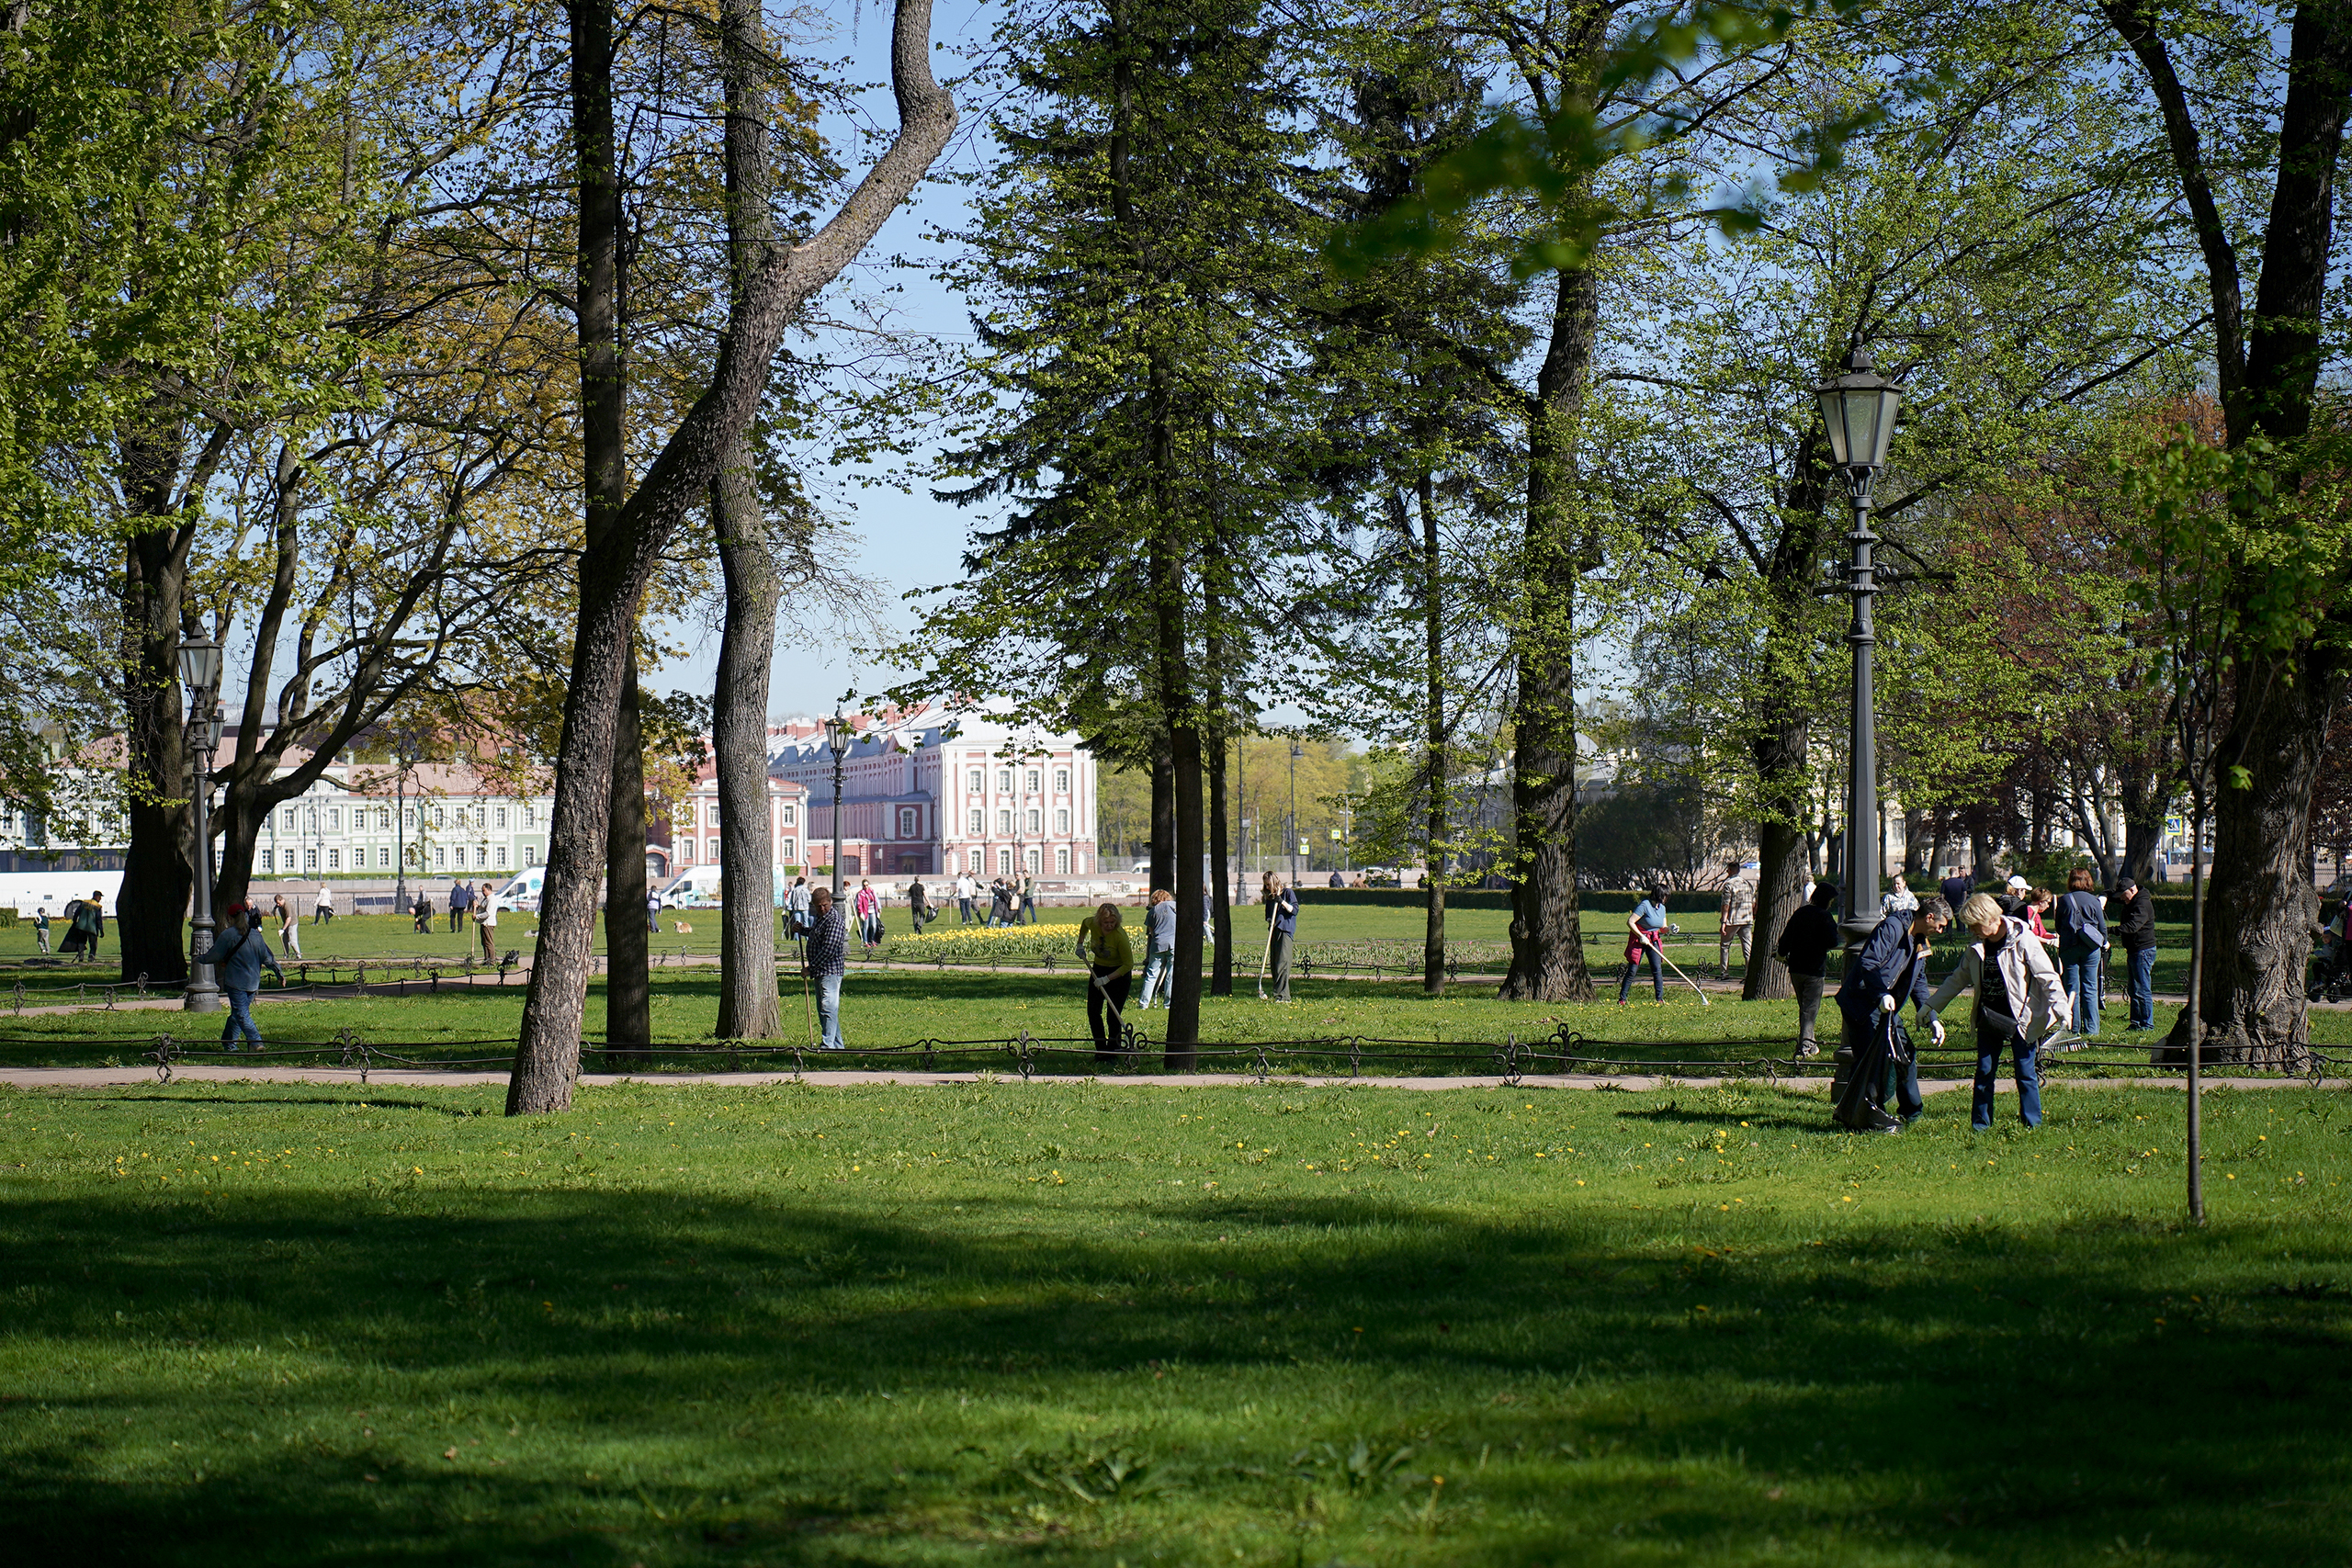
x,y
1859,410
200,664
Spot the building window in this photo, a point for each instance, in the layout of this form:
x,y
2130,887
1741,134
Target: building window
x,y
530,854
265,860
1004,780
310,860
1061,822
1031,784
976,820
1061,862
788,820
1061,780
311,818
977,864
478,817
286,819
1004,863
975,783
1004,821
501,852
713,857
685,851
910,821
440,818
1037,819
334,859
501,819
334,820
384,856
440,856
790,847
1036,862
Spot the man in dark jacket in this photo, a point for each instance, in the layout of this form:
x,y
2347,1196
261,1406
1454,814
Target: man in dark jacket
x,y
1804,946
2131,922
1892,965
1956,889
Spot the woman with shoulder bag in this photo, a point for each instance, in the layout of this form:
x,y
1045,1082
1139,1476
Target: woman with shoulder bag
x,y
2082,947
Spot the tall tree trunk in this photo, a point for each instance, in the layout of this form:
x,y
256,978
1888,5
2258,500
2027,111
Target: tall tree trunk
x,y
614,570
1219,805
747,1006
1163,807
1913,846
2266,366
159,872
2260,905
1546,935
1780,737
1435,834
748,1009
628,938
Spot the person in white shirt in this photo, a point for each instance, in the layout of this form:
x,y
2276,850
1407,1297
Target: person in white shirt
x,y
326,909
966,891
486,919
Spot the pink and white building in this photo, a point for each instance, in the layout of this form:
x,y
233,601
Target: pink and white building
x,y
931,793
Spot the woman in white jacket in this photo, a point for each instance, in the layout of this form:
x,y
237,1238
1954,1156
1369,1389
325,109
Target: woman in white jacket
x,y
2017,995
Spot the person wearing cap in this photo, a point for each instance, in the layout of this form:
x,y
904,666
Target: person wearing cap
x,y
2132,917
2014,895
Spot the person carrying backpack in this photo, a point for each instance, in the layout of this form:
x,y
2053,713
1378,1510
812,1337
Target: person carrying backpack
x,y
2082,947
237,955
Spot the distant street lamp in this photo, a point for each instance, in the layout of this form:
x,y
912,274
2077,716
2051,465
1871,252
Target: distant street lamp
x,y
1858,408
1295,754
836,736
200,673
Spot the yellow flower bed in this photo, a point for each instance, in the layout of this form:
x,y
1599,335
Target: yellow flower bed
x,y
984,944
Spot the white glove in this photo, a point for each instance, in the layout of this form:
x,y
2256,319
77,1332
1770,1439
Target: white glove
x,y
1886,1002
1935,1030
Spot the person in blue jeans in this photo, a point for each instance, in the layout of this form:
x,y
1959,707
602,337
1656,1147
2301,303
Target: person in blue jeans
x,y
2082,947
1646,928
1159,947
2131,922
828,957
2018,997
237,955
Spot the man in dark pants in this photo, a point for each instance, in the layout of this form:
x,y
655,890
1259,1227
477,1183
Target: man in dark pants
x,y
1281,914
461,898
1805,944
1893,963
1956,889
2131,922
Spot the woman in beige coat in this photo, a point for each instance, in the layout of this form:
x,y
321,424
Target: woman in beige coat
x,y
2017,997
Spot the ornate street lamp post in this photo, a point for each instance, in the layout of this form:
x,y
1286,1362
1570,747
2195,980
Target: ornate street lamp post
x,y
200,673
1858,408
836,736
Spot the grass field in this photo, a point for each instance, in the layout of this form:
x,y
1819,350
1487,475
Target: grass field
x,y
902,1007
1083,1324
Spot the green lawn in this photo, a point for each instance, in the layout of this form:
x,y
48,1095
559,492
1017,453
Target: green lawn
x,y
1085,1324
901,1007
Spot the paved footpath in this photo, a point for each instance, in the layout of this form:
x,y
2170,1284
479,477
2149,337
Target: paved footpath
x,y
108,1077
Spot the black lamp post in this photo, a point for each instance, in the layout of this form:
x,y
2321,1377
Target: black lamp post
x,y
837,733
1858,408
200,673
1295,754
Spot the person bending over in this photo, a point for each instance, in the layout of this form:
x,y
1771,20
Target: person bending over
x,y
1110,960
2018,997
1892,965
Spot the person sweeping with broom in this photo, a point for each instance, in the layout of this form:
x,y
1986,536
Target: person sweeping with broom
x,y
1110,959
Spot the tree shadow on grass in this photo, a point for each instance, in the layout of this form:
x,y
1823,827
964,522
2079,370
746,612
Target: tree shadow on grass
x,y
738,1377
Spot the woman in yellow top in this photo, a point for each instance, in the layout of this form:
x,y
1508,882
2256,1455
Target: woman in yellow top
x,y
1110,959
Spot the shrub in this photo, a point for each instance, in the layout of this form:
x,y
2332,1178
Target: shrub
x,y
986,944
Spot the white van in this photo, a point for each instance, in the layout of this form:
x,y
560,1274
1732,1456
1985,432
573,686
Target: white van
x,y
523,893
30,890
696,887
